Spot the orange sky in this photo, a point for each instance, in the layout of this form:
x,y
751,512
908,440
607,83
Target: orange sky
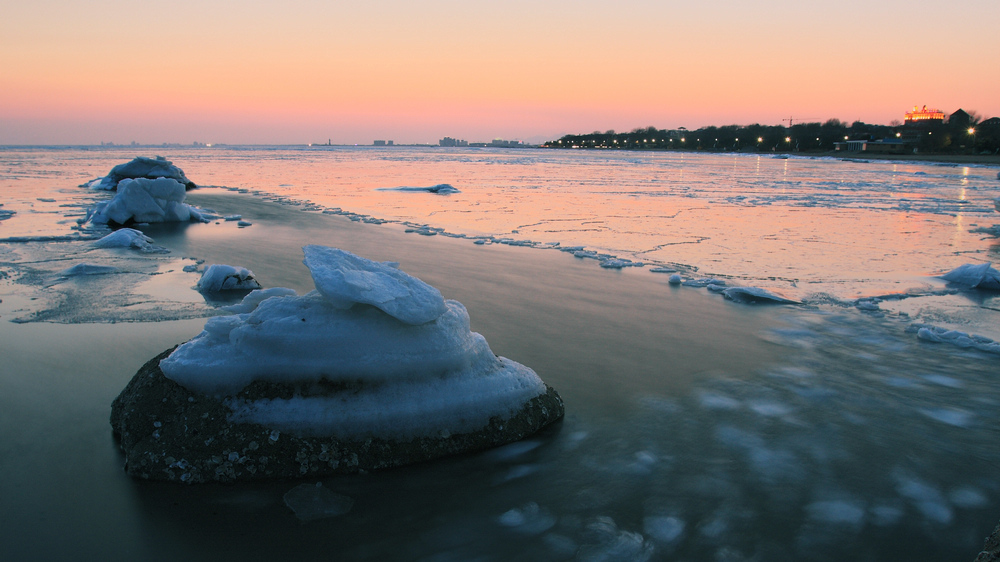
x,y
307,70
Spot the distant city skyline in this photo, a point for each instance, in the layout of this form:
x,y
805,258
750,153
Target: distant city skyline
x,y
307,71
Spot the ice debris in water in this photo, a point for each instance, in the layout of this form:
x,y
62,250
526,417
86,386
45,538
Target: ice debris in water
x,y
145,200
87,269
439,189
529,519
664,529
754,295
6,214
703,282
141,167
674,279
605,541
129,238
220,277
313,501
400,379
345,279
975,276
961,339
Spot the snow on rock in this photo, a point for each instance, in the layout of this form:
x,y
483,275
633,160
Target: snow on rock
x,y
754,295
345,279
373,369
219,277
975,276
145,200
141,167
129,238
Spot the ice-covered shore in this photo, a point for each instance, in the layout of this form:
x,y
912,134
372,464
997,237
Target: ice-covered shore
x,y
373,369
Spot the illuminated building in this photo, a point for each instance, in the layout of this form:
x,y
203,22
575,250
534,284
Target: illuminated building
x,y
923,115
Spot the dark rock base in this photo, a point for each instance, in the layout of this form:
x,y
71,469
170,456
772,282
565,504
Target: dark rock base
x,y
170,433
991,550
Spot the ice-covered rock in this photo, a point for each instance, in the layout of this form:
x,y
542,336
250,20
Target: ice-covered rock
x,y
975,276
307,385
220,277
141,167
755,295
145,200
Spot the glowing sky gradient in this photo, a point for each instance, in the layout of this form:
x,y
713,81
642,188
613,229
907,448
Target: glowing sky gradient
x,y
300,71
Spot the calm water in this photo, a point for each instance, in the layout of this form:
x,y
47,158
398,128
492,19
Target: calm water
x,y
696,429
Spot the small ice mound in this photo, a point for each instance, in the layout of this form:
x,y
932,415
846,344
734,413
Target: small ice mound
x,y
705,282
129,238
604,541
145,200
975,276
250,302
219,277
960,339
755,295
529,519
232,218
244,224
141,167
675,279
664,529
439,189
345,279
87,269
312,501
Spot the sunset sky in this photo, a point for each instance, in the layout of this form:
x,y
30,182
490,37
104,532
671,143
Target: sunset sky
x,y
300,71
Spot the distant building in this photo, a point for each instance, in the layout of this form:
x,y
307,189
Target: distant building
x,y
380,143
882,146
923,116
448,141
505,143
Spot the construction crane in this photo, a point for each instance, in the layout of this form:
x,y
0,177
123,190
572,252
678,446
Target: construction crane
x,y
790,119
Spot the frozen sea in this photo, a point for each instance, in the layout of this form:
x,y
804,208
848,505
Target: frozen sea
x,y
696,428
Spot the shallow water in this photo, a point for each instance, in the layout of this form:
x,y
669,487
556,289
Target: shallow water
x,y
696,428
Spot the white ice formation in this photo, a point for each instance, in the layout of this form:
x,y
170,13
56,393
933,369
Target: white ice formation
x,y
975,276
754,295
219,277
129,238
439,189
396,359
145,200
141,167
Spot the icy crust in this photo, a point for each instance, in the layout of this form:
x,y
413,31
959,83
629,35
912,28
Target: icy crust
x,y
435,406
141,167
145,200
345,279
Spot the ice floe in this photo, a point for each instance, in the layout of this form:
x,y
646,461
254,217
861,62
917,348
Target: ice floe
x,y
754,295
141,167
145,200
220,277
129,238
975,276
87,269
439,189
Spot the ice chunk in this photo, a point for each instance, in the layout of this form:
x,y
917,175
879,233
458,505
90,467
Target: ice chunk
x,y
529,519
145,200
605,541
960,339
439,189
754,295
313,501
141,167
250,302
664,529
129,238
674,279
705,282
87,269
975,276
220,277
345,279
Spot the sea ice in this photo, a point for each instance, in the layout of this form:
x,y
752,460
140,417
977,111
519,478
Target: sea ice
x,y
674,279
754,295
439,189
87,269
703,282
975,276
345,279
529,519
960,339
6,214
129,238
220,277
145,200
141,167
664,529
250,302
394,375
313,501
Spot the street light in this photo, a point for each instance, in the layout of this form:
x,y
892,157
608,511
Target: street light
x,y
972,133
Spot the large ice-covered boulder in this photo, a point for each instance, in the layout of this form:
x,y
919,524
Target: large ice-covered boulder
x,y
142,167
373,369
145,200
